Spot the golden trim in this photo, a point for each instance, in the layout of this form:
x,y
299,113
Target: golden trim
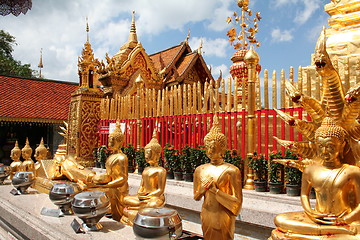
x,y
36,120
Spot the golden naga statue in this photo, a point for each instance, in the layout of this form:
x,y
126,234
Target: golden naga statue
x,y
332,153
220,185
115,179
28,163
152,187
15,156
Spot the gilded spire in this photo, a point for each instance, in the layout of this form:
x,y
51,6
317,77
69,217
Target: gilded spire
x,y
87,29
188,36
133,36
40,66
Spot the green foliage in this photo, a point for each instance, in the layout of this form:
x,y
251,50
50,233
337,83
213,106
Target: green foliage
x,y
233,158
8,65
102,154
259,165
292,175
198,156
172,159
275,169
140,158
130,151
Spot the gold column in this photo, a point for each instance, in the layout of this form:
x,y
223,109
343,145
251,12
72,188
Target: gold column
x,y
139,83
251,59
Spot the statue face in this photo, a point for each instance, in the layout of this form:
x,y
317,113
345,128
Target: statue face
x,y
26,154
150,156
114,143
329,148
214,151
39,155
15,155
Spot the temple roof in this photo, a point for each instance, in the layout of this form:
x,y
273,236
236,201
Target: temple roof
x,y
177,61
34,100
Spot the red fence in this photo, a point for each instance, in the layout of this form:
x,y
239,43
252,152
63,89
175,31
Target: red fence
x,y
191,129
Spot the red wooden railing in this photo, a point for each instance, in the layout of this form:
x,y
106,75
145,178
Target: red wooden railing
x,y
182,130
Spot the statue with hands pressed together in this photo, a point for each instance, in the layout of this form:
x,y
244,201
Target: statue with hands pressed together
x,y
220,185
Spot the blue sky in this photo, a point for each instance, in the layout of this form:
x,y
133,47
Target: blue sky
x,y
288,30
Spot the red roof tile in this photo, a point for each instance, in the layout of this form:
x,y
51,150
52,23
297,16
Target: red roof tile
x,y
184,64
167,56
35,98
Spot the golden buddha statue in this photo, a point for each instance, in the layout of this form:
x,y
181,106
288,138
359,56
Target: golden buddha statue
x,y
28,163
41,153
15,156
337,209
114,181
331,153
152,187
220,185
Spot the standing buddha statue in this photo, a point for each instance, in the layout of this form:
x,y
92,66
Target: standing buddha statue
x,y
220,185
115,179
152,187
15,155
28,163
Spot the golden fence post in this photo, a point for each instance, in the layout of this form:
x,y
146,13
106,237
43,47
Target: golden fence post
x,y
282,88
266,89
291,77
251,59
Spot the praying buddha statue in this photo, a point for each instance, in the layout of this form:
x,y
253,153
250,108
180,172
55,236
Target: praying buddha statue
x,y
152,187
332,165
114,181
28,163
15,155
220,185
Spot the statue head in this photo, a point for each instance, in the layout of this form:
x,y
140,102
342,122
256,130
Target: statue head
x,y
215,142
330,141
41,151
153,150
15,152
27,150
116,138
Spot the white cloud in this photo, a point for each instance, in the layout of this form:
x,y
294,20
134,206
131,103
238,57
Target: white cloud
x,y
211,47
310,6
215,71
279,35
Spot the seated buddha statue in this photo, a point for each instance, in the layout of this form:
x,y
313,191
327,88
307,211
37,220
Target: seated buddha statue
x,y
152,186
41,153
336,214
114,180
28,163
15,156
220,185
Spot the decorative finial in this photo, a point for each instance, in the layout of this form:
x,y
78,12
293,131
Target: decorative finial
x,y
188,36
248,25
87,29
200,47
133,36
40,66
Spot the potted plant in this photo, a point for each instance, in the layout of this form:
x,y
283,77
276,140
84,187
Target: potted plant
x,y
102,155
198,155
130,151
276,185
140,160
188,164
259,165
232,157
293,176
170,153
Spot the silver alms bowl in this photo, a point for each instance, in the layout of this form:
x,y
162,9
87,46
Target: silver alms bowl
x,y
91,207
4,173
157,222
22,180
62,194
